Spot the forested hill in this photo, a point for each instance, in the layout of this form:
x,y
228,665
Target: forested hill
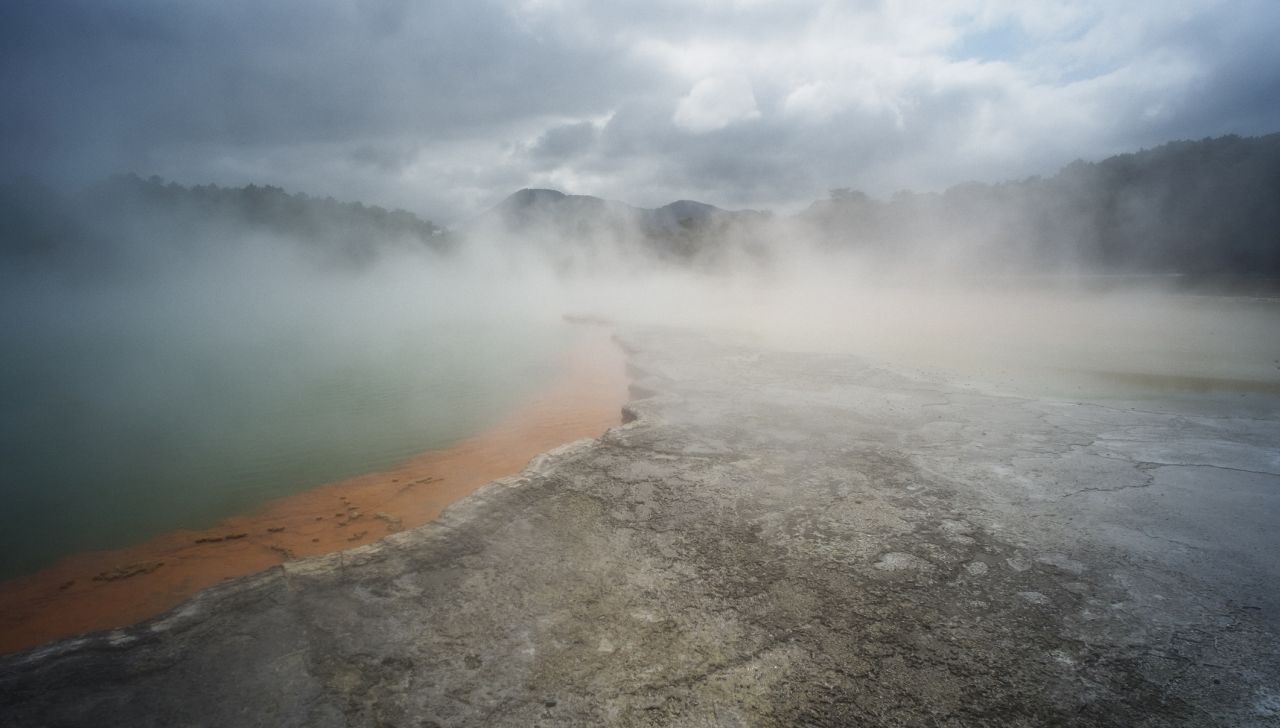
x,y
573,229
1197,208
125,218
1200,209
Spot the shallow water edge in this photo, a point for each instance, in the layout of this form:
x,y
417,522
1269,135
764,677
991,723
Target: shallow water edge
x,y
108,589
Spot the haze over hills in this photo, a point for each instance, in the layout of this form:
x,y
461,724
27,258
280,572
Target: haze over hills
x,y
128,221
1208,208
1194,208
1201,209
569,226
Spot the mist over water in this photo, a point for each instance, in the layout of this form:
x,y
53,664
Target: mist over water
x,y
1065,337
997,317
142,404
1069,338
186,354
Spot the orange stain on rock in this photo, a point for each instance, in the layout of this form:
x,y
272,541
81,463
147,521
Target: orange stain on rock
x,y
102,590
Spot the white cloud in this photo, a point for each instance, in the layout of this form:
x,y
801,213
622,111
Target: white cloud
x,y
714,103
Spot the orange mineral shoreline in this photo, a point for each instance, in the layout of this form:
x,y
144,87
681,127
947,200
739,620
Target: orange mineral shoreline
x,y
107,589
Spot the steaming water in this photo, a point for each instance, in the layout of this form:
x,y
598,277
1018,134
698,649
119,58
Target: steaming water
x,y
112,433
125,414
1059,345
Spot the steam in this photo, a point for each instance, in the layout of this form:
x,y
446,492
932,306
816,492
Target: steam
x,y
795,282
176,334
927,302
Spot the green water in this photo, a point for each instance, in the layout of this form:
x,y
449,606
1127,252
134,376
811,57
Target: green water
x,y
119,423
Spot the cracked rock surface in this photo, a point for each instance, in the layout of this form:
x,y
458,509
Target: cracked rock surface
x,y
774,539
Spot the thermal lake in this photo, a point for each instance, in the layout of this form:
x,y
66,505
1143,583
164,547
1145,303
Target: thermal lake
x,y
122,419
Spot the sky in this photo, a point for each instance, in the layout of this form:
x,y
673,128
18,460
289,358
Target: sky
x,y
444,108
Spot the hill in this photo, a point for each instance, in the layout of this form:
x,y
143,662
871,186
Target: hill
x,y
576,229
1195,208
1207,209
126,219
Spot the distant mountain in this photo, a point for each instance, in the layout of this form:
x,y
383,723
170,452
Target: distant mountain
x,y
684,215
573,225
530,212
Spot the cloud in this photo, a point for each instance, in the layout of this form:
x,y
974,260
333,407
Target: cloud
x,y
446,107
714,103
560,144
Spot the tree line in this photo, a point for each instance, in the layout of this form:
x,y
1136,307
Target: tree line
x,y
127,214
1194,208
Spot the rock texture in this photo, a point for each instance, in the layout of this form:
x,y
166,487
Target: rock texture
x,y
774,539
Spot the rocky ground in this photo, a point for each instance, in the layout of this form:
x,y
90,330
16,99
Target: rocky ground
x,y
775,539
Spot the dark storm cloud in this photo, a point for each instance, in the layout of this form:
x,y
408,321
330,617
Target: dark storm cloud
x,y
263,73
101,87
1240,90
445,107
